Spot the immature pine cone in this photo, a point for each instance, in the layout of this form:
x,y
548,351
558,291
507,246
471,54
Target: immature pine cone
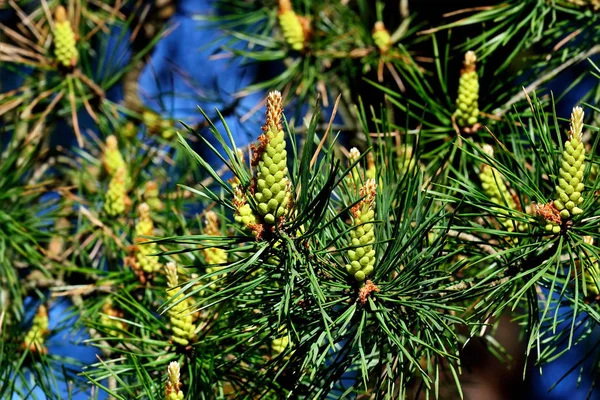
x,y
182,321
467,107
272,192
244,214
494,186
112,158
145,227
291,26
65,50
173,388
116,199
36,336
213,255
572,166
381,36
362,256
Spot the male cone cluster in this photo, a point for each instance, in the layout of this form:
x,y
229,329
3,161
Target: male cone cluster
x,y
243,212
572,166
213,255
145,227
36,336
65,50
173,387
362,255
467,106
495,188
116,199
272,186
111,157
182,321
381,36
291,25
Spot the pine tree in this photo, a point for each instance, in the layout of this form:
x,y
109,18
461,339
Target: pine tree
x,y
412,183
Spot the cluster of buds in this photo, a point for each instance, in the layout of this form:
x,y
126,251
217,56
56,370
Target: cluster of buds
x,y
182,321
244,214
173,387
570,179
381,37
467,106
358,174
572,166
116,200
65,49
293,27
36,336
494,187
271,188
213,256
144,262
108,319
362,255
111,157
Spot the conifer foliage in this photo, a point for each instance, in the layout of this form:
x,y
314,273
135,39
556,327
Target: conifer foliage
x,y
410,187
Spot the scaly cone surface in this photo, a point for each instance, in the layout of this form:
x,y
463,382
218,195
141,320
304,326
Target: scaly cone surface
x,y
173,387
213,255
272,186
362,256
467,106
572,166
116,199
112,158
182,321
495,188
291,26
145,227
65,50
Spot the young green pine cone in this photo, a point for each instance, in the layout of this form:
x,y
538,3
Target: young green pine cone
x,y
182,321
272,186
36,336
381,36
467,107
494,187
112,158
362,256
291,25
116,199
572,166
65,50
145,227
213,255
173,387
243,213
